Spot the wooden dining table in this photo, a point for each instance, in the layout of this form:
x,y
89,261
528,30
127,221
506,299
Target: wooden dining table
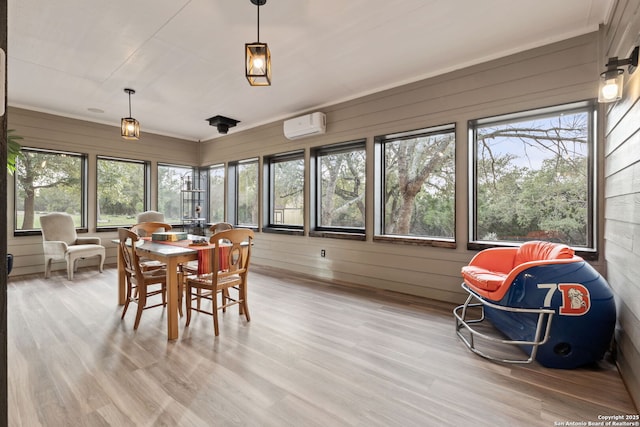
x,y
172,255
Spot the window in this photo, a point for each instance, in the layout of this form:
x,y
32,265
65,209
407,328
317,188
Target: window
x,y
49,181
244,187
286,190
121,191
416,183
216,193
340,195
534,176
171,181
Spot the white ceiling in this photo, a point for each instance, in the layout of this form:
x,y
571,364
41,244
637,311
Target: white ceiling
x,y
185,58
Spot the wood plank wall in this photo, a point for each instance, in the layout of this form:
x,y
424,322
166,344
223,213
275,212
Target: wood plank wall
x,y
561,72
622,192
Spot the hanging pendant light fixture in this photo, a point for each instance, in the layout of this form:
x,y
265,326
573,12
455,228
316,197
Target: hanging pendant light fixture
x,y
130,127
258,58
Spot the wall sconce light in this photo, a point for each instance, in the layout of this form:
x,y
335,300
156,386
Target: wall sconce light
x,y
257,58
129,127
612,80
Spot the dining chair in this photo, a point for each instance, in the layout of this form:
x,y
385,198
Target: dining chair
x,y
191,267
146,229
220,226
61,242
229,271
140,284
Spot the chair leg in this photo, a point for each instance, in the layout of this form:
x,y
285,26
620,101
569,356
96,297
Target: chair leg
x,y
128,300
188,302
244,306
214,301
142,301
47,268
101,262
71,263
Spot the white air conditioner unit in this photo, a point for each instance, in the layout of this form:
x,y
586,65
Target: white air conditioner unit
x,y
307,125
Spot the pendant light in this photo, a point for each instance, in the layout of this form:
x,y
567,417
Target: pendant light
x,y
258,58
130,127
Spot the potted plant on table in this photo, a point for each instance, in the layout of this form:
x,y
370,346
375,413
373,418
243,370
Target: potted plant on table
x,y
13,152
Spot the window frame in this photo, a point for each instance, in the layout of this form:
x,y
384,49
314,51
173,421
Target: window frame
x,y
221,166
147,193
269,163
233,189
315,196
84,170
380,180
590,251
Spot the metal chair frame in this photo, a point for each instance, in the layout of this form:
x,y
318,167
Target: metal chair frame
x,y
463,323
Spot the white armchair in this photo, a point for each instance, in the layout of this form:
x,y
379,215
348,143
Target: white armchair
x,y
150,216
61,242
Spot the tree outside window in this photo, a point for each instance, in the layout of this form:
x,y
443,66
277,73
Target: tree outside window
x,y
533,176
418,183
48,181
341,186
121,191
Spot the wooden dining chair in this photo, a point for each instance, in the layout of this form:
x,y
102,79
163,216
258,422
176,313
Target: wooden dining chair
x,y
140,284
191,267
146,229
229,270
220,226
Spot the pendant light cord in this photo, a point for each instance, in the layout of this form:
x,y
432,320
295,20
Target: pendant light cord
x,y
258,21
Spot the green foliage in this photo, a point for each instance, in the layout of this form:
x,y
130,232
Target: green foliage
x,y
13,150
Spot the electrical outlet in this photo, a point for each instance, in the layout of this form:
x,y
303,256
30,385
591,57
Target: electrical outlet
x,y
323,253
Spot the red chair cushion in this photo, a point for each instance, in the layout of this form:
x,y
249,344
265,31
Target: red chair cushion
x,y
481,278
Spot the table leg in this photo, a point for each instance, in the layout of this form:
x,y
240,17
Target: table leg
x,y
172,298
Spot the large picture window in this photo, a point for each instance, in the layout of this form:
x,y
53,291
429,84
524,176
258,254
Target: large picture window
x,y
216,193
340,180
286,190
533,176
49,181
243,186
121,191
417,183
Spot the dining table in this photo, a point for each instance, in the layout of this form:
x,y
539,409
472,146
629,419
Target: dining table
x,y
172,254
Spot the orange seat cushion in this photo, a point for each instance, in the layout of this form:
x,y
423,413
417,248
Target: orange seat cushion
x,y
481,278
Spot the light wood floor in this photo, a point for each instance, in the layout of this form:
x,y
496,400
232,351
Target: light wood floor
x,y
314,354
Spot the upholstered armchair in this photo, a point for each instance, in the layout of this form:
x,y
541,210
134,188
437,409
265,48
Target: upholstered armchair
x,y
61,242
150,216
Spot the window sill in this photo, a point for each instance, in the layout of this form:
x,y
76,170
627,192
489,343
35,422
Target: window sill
x,y
278,230
416,241
338,235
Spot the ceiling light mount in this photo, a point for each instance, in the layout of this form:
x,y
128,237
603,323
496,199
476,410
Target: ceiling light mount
x,y
257,57
129,127
222,123
612,80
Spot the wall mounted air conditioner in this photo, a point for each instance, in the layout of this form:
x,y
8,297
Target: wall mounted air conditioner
x,y
304,126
